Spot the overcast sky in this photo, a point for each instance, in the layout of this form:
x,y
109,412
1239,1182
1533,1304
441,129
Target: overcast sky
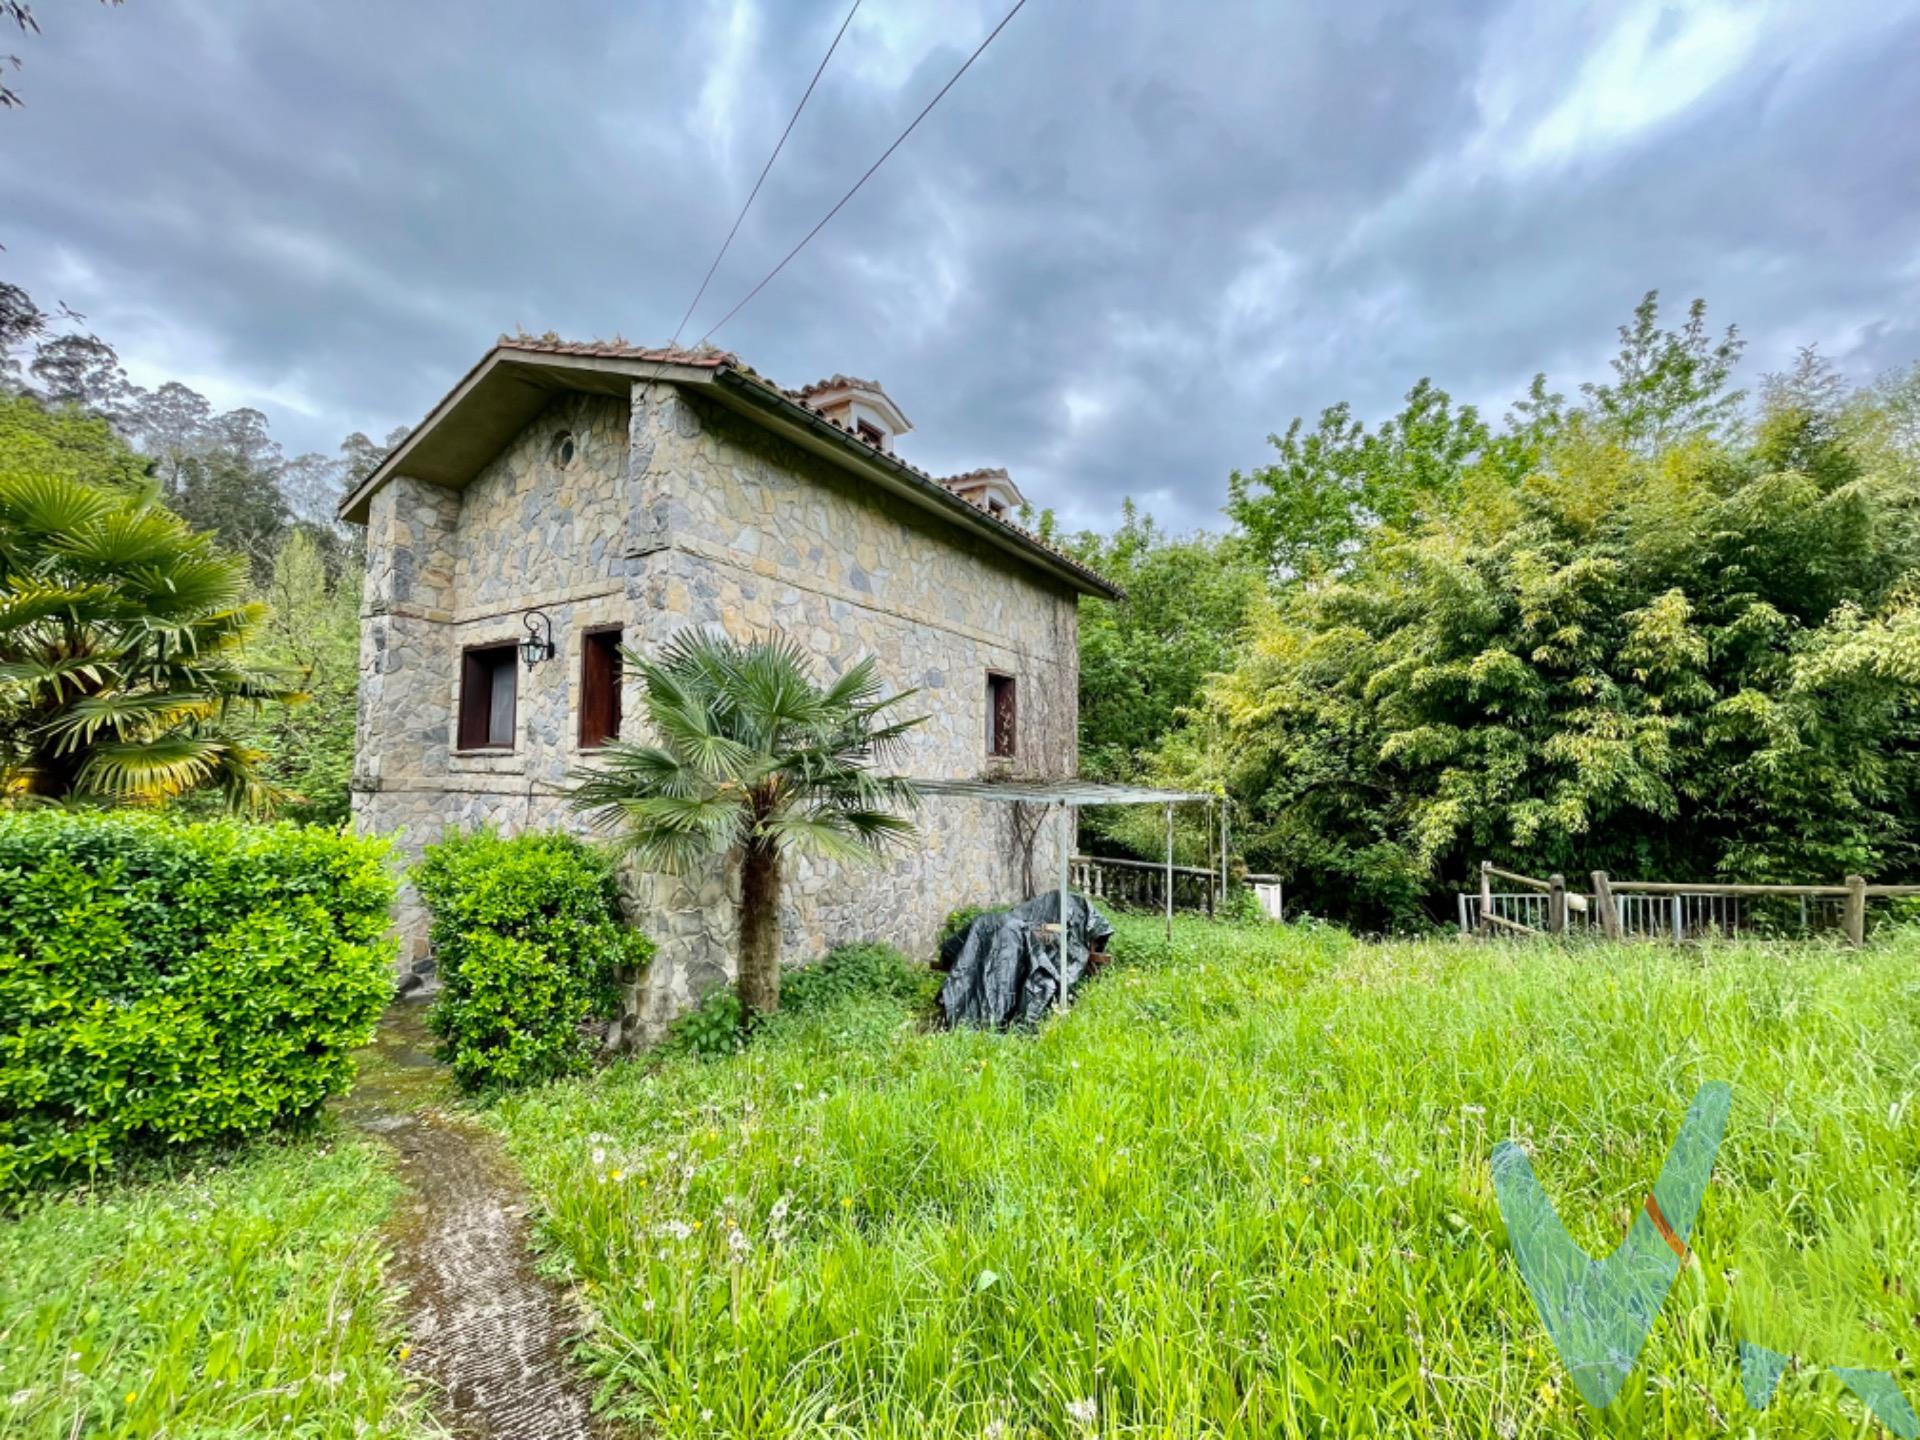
x,y
1134,240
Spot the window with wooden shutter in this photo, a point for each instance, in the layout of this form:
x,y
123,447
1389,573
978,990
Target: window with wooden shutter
x,y
1003,713
489,693
599,688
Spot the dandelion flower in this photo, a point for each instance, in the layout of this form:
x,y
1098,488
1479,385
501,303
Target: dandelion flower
x,y
1083,1412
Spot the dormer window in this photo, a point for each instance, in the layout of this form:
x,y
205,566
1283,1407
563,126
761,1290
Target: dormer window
x,y
859,407
996,507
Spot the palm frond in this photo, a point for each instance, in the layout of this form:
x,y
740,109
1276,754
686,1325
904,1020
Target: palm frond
x,y
52,505
857,689
127,716
58,673
142,772
747,744
26,601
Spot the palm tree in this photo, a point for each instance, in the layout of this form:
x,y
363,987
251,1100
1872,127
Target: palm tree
x,y
753,759
121,632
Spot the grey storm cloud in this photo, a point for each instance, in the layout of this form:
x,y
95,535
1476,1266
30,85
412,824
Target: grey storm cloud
x,y
1131,242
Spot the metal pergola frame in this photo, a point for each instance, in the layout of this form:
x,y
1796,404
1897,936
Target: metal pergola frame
x,y
1068,794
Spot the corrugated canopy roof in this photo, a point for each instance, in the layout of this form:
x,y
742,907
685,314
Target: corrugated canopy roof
x,y
1068,789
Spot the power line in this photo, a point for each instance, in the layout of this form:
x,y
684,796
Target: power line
x,y
763,176
869,175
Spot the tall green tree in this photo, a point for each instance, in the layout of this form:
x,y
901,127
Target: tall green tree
x,y
224,492
1308,511
38,440
311,633
1144,659
753,760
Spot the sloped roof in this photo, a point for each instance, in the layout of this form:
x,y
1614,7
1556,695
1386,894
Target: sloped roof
x,y
981,478
512,382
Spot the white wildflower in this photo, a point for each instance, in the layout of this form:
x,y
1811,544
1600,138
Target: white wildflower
x,y
674,1230
780,1208
20,1397
599,1155
1083,1412
738,1243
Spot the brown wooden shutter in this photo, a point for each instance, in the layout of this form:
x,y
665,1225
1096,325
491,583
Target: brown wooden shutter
x,y
599,688
1003,714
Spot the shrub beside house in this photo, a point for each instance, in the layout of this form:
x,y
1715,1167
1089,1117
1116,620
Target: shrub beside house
x,y
163,984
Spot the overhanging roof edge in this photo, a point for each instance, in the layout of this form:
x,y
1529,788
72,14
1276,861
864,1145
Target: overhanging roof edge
x,y
1057,791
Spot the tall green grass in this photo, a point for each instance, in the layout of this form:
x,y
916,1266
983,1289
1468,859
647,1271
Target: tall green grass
x,y
1243,1190
241,1299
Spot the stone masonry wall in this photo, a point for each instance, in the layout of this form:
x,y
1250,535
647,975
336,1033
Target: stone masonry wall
x,y
675,512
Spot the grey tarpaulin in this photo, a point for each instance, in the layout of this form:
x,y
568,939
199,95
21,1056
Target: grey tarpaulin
x,y
1004,969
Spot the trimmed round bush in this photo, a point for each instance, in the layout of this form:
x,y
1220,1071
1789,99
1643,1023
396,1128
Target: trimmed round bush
x,y
164,983
530,946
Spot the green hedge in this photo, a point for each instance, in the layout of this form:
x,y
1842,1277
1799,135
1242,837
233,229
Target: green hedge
x,y
529,944
163,983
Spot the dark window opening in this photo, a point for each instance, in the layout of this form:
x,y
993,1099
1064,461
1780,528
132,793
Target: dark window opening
x,y
872,434
489,690
599,688
997,509
563,449
1002,715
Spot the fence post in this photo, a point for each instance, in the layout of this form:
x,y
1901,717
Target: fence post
x,y
1169,872
1486,896
1679,923
1603,902
1856,913
1465,928
1556,904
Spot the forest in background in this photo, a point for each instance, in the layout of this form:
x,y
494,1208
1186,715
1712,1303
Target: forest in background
x,y
67,407
1666,627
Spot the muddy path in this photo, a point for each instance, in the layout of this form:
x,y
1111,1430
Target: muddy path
x,y
488,1336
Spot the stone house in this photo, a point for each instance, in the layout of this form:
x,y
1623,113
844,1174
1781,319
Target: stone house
x,y
605,495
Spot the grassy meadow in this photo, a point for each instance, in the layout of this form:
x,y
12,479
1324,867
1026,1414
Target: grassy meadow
x,y
240,1298
1243,1190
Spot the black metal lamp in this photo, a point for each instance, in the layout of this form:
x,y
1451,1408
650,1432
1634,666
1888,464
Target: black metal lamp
x,y
538,645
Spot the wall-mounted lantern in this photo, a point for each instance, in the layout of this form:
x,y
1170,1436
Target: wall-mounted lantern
x,y
538,645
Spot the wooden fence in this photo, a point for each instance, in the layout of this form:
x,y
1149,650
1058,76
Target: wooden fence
x,y
1659,910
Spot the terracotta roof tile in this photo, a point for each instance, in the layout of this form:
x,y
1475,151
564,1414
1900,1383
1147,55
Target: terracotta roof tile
x,y
836,382
616,349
